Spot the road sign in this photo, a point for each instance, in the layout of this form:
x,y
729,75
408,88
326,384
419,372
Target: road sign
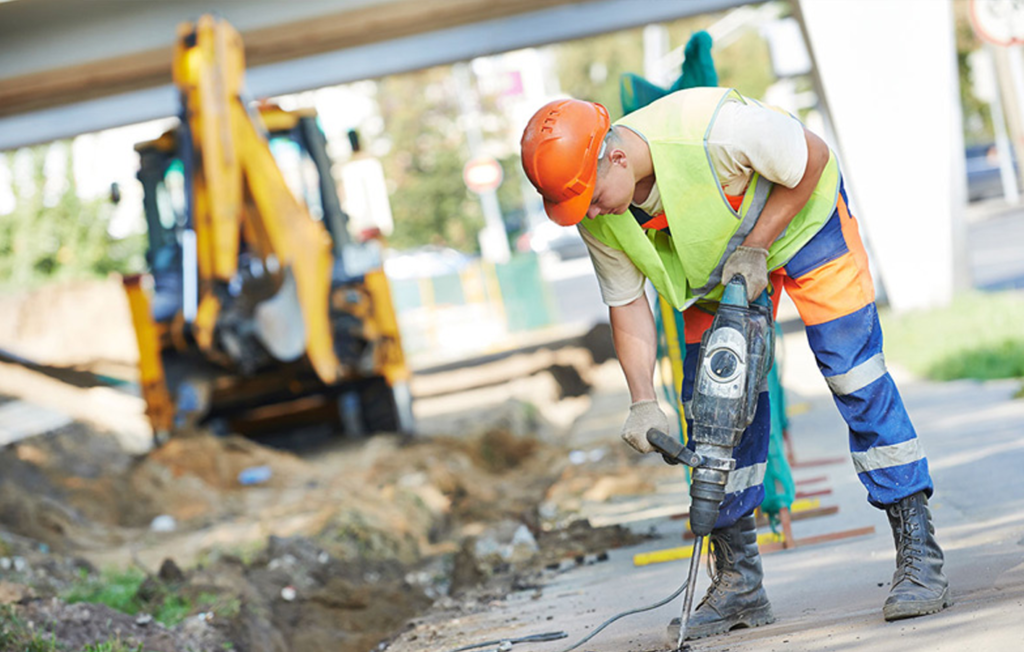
x,y
998,21
482,174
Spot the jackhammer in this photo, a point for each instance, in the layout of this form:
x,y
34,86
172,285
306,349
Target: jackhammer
x,y
736,354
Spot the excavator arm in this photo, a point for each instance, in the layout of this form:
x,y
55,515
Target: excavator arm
x,y
244,204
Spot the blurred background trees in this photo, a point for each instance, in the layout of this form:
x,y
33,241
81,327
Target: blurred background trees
x,y
53,233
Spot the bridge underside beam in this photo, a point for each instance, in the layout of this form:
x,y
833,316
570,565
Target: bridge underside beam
x,y
366,41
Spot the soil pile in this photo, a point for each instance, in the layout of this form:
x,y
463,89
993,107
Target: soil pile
x,y
220,541
335,550
84,324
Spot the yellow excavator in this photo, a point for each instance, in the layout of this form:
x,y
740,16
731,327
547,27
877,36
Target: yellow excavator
x,y
261,311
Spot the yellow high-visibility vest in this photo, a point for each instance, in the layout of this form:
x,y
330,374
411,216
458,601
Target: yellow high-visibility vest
x,y
686,263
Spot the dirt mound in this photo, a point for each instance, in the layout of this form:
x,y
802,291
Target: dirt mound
x,y
76,626
77,488
219,462
380,521
64,488
78,323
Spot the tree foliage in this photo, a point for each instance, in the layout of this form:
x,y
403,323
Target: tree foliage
x,y
977,118
589,69
430,202
59,236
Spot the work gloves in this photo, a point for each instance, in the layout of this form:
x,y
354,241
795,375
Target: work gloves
x,y
752,264
643,415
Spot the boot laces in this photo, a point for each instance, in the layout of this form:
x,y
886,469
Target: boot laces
x,y
908,553
723,558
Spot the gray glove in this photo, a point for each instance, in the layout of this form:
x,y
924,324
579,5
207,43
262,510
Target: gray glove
x,y
752,264
643,415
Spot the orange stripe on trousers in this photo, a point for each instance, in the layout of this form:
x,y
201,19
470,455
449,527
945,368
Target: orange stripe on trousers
x,y
839,287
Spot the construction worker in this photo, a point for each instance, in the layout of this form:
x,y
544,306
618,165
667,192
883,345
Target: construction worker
x,y
686,192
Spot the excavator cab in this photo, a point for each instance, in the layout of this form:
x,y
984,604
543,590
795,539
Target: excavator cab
x,y
161,174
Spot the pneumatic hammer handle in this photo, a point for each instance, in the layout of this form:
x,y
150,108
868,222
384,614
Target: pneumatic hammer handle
x,y
672,449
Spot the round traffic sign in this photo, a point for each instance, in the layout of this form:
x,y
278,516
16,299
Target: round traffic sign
x,y
482,174
998,21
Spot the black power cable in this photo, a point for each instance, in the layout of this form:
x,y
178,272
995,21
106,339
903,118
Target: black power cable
x,y
553,636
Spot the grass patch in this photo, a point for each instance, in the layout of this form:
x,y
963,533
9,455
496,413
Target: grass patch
x,y
979,336
113,646
128,591
116,589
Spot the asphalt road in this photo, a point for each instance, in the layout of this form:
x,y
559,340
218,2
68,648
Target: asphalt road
x,y
996,248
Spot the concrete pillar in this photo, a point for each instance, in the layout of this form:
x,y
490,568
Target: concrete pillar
x,y
887,71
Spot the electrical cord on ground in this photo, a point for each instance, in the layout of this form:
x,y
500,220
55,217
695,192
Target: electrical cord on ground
x,y
631,612
557,635
503,643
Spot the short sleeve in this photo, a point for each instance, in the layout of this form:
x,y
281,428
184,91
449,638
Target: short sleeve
x,y
620,280
750,137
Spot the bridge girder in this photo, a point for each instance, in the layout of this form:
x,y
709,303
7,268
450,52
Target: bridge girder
x,y
70,67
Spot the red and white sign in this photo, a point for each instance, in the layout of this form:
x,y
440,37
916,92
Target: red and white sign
x,y
482,174
998,21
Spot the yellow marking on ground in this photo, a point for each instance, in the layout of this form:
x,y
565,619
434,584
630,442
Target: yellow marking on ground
x,y
685,552
796,409
804,504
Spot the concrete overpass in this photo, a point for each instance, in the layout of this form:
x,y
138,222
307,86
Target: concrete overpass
x,y
69,67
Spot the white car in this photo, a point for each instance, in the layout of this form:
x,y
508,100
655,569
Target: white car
x,y
564,241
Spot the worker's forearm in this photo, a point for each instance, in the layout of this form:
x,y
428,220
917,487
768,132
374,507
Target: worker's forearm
x,y
635,340
784,203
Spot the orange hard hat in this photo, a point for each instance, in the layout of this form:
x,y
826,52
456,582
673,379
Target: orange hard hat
x,y
560,149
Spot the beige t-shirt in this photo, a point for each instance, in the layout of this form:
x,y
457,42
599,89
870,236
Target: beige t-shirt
x,y
744,138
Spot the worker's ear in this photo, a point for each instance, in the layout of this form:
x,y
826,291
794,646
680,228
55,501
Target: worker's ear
x,y
617,157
